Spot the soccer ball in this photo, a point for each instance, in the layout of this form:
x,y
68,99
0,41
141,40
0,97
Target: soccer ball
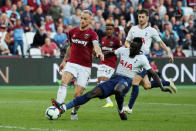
x,y
52,113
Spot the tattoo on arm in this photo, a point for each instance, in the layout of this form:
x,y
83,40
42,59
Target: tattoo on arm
x,y
155,77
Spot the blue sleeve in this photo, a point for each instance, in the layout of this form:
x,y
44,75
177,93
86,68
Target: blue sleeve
x,y
175,35
53,28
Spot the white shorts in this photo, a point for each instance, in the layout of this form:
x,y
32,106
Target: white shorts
x,y
81,73
105,71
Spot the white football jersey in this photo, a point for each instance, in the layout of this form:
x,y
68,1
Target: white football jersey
x,y
130,67
147,34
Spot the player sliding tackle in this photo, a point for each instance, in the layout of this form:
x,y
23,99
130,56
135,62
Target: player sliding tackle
x,y
131,62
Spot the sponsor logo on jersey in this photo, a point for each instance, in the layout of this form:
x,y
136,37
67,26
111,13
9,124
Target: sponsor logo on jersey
x,y
77,41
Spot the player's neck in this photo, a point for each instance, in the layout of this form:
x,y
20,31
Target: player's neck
x,y
143,26
84,28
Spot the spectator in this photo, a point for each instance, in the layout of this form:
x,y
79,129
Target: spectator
x,y
38,18
45,5
108,12
188,44
131,15
190,29
173,33
169,40
94,7
60,23
18,37
122,9
49,49
34,4
165,21
178,27
7,6
13,15
27,19
55,10
60,37
49,25
9,40
39,38
99,32
179,11
75,20
161,9
178,52
156,51
20,7
156,21
4,50
110,3
66,10
98,17
151,5
5,22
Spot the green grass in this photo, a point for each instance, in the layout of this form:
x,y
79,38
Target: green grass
x,y
23,109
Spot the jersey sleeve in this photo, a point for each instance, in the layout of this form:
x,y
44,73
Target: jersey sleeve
x,y
119,51
145,63
94,37
155,35
130,35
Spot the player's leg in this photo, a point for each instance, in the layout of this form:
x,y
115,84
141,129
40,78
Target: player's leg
x,y
95,92
82,78
109,102
62,91
104,73
134,94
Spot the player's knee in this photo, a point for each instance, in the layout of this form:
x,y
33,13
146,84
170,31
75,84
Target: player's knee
x,y
119,89
147,86
77,94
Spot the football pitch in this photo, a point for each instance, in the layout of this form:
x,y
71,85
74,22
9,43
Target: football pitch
x,y
22,108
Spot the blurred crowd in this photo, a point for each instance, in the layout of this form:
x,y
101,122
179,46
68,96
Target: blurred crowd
x,y
49,22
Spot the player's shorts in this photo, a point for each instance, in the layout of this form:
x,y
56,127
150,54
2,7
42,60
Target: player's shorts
x,y
105,71
81,73
107,87
144,72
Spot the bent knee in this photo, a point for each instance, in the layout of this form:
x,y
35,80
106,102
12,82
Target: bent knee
x,y
147,86
77,94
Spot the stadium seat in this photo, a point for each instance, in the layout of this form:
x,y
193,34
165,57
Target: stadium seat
x,y
188,53
35,53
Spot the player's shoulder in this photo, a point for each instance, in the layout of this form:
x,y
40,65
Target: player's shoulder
x,y
141,57
151,28
135,27
74,29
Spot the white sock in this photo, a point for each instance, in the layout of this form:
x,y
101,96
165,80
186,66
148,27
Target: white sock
x,y
109,100
61,94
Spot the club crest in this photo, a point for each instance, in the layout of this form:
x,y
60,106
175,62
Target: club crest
x,y
86,36
111,43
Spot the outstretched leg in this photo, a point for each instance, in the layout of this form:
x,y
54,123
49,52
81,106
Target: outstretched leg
x,y
95,92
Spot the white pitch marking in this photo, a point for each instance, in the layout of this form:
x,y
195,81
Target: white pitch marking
x,y
168,104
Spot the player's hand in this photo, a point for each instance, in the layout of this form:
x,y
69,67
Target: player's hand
x,y
166,90
62,65
100,55
171,57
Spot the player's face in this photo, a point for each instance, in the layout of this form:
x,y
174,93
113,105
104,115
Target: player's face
x,y
109,30
142,19
85,20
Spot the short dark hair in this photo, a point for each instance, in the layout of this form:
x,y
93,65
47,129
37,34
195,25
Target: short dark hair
x,y
143,11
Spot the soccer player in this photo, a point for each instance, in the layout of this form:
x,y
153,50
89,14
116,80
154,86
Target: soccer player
x,y
107,67
77,62
131,62
147,34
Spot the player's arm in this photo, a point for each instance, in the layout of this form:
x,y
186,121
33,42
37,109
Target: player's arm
x,y
66,57
127,44
97,50
157,80
165,48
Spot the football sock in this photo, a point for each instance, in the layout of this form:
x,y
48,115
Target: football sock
x,y
77,101
134,94
164,83
61,94
119,101
75,109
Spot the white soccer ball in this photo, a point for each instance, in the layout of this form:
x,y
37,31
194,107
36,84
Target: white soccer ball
x,y
52,113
